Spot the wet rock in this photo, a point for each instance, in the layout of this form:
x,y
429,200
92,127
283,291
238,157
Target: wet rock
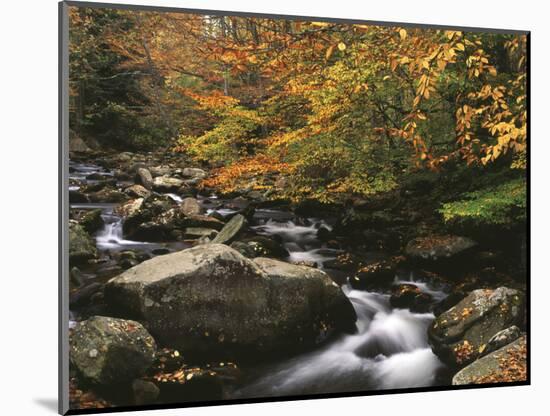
x,y
108,350
108,195
129,208
143,177
81,245
438,247
211,300
409,296
190,206
145,392
82,296
154,216
460,335
166,184
137,191
78,197
245,249
507,364
267,247
231,230
502,338
375,274
92,221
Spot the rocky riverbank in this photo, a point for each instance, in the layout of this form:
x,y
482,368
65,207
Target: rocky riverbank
x,y
180,293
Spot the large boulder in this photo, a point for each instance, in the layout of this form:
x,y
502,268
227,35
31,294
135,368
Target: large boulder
x,y
81,245
436,248
460,335
507,364
108,350
204,221
143,177
210,299
166,184
231,230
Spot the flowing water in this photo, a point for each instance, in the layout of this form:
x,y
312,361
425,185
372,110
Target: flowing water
x,y
389,349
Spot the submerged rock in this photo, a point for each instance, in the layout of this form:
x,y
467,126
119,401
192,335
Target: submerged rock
x,y
507,364
460,335
108,350
210,299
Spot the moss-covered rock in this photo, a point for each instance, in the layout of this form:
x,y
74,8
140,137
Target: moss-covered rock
x,y
108,350
81,245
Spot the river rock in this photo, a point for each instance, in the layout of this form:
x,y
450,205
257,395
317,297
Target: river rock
x,y
201,221
78,197
198,232
108,350
166,184
376,273
108,195
153,217
264,246
210,299
190,206
92,221
193,173
231,230
507,364
460,335
409,296
162,170
77,145
438,247
81,245
502,338
143,177
137,191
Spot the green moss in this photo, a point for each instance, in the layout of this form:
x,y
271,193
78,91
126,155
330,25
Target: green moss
x,y
503,204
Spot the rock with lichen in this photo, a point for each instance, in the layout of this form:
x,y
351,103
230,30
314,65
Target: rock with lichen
x,y
107,350
212,301
505,365
461,334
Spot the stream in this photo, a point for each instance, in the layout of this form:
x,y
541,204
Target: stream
x,y
389,350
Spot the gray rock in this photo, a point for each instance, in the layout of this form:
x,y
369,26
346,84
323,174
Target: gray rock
x,y
438,247
190,206
109,350
231,230
193,173
77,145
209,299
459,335
161,170
198,232
81,245
166,184
144,177
203,221
493,367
